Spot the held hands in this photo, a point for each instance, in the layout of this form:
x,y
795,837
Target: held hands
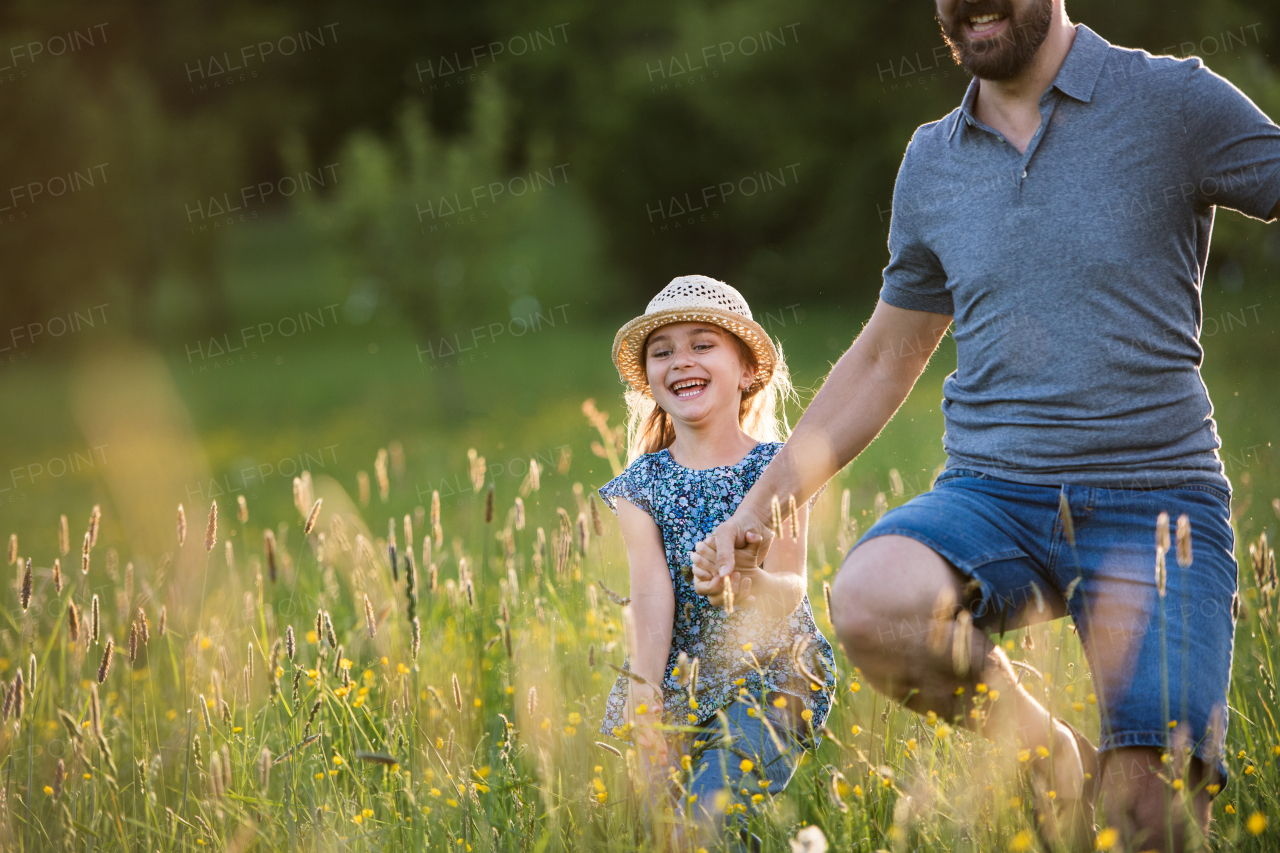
x,y
740,564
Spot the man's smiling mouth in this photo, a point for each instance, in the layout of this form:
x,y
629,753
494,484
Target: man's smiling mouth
x,y
979,24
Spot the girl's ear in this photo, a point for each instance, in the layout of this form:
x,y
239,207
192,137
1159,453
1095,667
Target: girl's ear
x,y
748,377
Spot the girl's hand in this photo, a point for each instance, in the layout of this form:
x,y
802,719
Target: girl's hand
x,y
708,582
644,712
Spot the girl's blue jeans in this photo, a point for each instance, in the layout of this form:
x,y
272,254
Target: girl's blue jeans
x,y
736,767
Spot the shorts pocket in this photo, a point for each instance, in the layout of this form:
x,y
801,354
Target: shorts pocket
x,y
1205,487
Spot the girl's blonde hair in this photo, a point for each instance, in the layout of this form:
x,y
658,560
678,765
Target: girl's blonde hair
x,y
761,414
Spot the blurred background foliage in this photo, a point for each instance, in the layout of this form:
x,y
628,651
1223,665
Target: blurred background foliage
x,y
833,90
588,130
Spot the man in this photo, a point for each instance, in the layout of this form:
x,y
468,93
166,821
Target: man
x,y
1061,216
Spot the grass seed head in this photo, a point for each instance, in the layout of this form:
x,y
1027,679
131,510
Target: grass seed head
x,y
1161,573
226,767
311,517
269,551
540,549
26,586
242,509
19,695
289,646
73,622
1162,532
380,469
104,668
133,642
182,526
488,504
215,775
95,620
57,575
415,638
13,548
1183,537
362,487
211,530
457,693
95,518
597,523
437,532
59,773
84,555
371,623
144,627
64,536
264,769
162,625
961,641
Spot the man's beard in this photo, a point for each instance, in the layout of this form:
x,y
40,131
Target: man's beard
x,y
1002,56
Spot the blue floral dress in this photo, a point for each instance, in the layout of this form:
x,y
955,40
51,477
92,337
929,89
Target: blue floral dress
x,y
688,505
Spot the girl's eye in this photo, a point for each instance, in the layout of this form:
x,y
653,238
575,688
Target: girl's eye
x,y
659,353
702,346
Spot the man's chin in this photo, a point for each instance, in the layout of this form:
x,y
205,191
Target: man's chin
x,y
988,62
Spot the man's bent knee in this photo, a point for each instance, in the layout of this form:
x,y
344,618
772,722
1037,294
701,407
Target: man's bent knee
x,y
883,599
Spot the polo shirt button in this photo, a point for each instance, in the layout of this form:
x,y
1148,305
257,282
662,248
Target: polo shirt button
x,y
1024,173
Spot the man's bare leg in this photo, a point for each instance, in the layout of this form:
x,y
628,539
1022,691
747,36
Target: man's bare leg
x,y
893,590
1139,801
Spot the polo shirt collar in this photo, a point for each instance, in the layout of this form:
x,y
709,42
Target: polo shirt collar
x,y
1076,78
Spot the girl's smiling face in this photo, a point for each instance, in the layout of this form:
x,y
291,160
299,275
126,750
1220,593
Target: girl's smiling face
x,y
697,370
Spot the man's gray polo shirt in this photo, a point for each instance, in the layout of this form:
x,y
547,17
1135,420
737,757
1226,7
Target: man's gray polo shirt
x,y
1073,271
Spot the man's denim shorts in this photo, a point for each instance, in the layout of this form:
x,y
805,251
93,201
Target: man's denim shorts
x,y
1161,666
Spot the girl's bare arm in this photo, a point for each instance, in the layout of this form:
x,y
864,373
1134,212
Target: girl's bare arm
x,y
652,611
653,599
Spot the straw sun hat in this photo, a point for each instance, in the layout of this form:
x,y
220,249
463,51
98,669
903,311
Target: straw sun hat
x,y
693,299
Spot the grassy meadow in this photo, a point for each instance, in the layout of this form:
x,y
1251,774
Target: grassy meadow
x,y
199,704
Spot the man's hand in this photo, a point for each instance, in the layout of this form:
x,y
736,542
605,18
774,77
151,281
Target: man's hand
x,y
707,580
644,712
737,544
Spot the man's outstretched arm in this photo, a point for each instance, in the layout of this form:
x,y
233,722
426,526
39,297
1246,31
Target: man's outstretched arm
x,y
861,393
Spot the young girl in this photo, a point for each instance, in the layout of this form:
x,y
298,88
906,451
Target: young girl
x,y
743,676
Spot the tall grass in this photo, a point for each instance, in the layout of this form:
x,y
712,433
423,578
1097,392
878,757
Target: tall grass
x,y
295,705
